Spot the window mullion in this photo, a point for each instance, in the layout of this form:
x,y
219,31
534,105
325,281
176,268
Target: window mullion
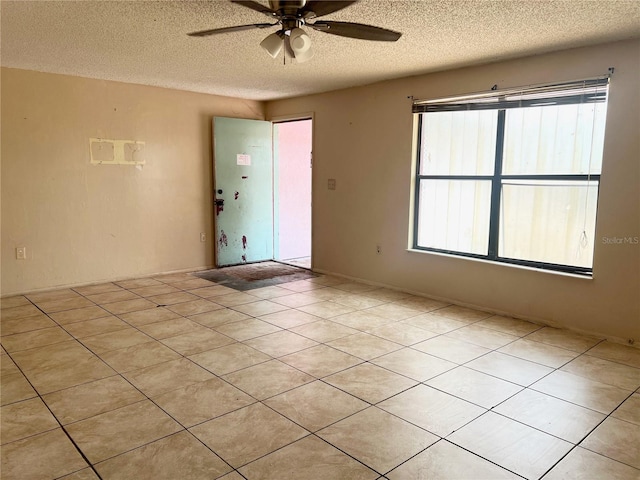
x,y
496,189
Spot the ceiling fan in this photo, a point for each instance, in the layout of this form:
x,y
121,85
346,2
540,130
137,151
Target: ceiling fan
x,y
291,15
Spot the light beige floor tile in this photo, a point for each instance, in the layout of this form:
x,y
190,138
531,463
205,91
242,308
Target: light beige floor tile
x,y
616,439
435,323
218,317
310,459
170,328
475,387
197,341
512,326
509,368
387,294
379,440
22,311
246,329
323,330
193,283
512,445
484,337
232,476
615,352
52,295
581,391
179,456
97,326
20,325
138,356
267,379
539,352
564,339
272,292
202,401
414,364
316,405
147,316
34,339
369,382
365,346
14,387
159,289
326,309
327,293
301,286
7,365
53,306
551,415
583,464
445,461
462,314
247,434
10,302
128,306
280,343
112,296
138,283
451,349
422,304
435,411
291,300
47,455
403,333
362,320
51,355
164,377
354,287
106,342
51,379
172,277
289,318
173,298
393,312
234,299
79,315
25,419
358,302
321,360
629,410
194,307
115,432
611,373
229,358
99,288
84,474
90,399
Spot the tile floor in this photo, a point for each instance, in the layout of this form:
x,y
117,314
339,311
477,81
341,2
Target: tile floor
x,y
174,377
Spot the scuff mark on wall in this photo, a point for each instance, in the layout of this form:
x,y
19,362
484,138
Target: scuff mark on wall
x,y
244,177
223,239
244,259
244,242
236,195
219,208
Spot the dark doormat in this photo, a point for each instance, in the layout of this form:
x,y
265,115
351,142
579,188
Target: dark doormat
x,y
255,275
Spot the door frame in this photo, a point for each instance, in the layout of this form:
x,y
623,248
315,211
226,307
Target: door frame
x,y
293,118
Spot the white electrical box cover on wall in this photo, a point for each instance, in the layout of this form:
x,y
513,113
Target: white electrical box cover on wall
x,y
116,152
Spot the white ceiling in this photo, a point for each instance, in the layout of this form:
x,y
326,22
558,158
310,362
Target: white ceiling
x,y
145,42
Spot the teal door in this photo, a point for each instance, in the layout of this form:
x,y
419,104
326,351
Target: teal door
x,y
243,190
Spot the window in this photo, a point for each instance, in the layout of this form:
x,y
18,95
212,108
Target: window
x,y
512,176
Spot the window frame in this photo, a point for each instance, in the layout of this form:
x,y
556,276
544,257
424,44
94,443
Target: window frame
x,y
498,176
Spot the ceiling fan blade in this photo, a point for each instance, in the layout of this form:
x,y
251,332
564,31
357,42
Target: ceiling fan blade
x,y
318,8
258,7
239,28
356,30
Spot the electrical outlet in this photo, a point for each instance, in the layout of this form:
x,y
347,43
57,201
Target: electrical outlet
x,y
21,253
203,237
378,249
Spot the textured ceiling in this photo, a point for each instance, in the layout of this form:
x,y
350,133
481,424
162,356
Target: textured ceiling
x,y
145,42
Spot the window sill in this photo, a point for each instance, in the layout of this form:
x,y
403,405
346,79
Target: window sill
x,y
502,264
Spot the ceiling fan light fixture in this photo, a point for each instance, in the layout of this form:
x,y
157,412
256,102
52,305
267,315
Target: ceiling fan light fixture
x,y
300,44
273,44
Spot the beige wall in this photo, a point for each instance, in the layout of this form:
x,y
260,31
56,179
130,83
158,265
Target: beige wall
x,y
362,138
85,223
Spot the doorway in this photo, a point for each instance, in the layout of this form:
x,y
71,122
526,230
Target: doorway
x,y
292,147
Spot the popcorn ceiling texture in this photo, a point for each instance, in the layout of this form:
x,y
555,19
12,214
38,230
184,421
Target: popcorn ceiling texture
x,y
145,42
